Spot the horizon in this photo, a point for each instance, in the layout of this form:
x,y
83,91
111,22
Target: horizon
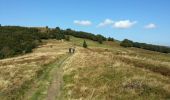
x,y
140,21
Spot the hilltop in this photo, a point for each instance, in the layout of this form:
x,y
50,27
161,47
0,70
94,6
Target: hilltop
x,y
103,71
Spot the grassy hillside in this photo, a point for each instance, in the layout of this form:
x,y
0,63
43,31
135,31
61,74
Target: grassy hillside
x,y
20,73
106,72
100,72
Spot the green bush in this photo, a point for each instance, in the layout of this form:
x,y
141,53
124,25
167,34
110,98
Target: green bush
x,y
67,38
84,44
126,43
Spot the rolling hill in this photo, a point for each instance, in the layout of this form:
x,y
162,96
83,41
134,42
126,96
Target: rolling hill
x,y
100,72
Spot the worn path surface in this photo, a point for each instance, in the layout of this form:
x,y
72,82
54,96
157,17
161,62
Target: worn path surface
x,y
57,82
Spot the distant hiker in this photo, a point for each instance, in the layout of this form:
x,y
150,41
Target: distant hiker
x,y
69,50
73,50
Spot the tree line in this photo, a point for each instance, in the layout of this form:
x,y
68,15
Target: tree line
x,y
16,40
158,48
99,38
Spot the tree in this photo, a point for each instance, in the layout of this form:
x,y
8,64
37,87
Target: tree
x,y
46,27
110,39
1,55
126,43
0,25
57,28
158,48
67,38
100,38
84,44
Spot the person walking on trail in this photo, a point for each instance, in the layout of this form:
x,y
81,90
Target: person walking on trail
x,y
73,49
69,50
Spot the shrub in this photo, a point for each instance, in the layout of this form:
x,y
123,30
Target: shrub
x,y
67,38
110,39
129,43
126,43
84,44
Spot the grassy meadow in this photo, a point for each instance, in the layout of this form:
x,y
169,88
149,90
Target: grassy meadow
x,y
108,71
100,72
18,73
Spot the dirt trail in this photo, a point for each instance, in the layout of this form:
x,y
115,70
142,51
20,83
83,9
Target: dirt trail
x,y
57,82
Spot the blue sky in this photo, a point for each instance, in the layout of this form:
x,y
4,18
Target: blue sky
x,y
139,20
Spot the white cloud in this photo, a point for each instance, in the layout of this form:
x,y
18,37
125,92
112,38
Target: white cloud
x,y
124,24
150,26
106,23
83,22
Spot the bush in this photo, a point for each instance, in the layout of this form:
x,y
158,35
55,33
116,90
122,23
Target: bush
x,y
129,43
67,38
110,39
84,44
126,43
85,35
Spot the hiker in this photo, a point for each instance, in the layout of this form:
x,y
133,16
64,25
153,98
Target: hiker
x,y
69,50
73,50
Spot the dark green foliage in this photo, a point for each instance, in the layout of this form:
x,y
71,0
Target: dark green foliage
x,y
126,43
100,41
110,39
57,28
46,27
67,38
151,47
100,38
84,44
129,43
85,35
17,40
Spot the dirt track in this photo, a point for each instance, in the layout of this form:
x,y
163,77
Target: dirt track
x,y
57,82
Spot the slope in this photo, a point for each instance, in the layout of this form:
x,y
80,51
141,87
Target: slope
x,y
106,72
100,72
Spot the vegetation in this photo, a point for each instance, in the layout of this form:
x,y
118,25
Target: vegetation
x,y
18,40
118,73
84,44
123,74
84,35
129,43
110,39
126,43
30,71
67,38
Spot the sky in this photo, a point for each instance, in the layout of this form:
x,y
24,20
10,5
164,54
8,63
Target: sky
x,y
145,21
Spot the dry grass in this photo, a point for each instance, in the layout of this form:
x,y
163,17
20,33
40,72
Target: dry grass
x,y
101,74
17,73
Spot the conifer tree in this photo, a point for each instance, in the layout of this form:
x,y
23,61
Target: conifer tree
x,y
84,44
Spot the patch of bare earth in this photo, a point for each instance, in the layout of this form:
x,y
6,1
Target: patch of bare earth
x,y
54,89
